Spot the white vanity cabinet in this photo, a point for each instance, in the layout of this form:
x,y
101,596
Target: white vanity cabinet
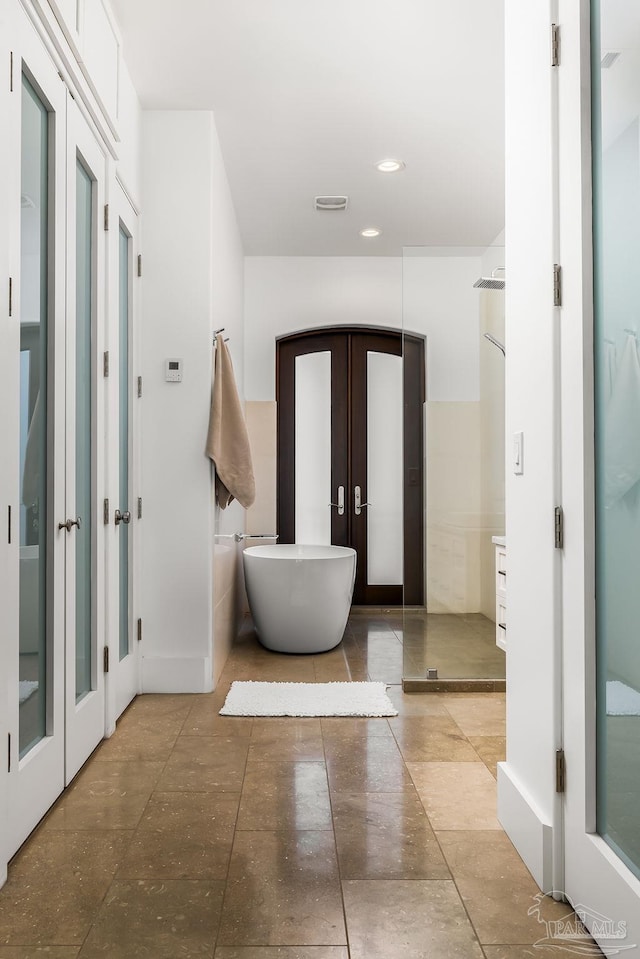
x,y
501,591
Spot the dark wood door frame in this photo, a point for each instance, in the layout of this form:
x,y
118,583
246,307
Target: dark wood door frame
x,y
338,340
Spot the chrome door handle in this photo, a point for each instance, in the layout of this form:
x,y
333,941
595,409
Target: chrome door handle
x,y
122,517
357,501
340,504
70,523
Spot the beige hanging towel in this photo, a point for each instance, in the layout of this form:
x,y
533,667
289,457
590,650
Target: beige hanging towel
x,y
228,440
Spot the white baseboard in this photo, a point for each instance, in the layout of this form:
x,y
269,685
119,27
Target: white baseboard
x,y
176,675
525,827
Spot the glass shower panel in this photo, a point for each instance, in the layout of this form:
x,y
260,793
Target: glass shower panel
x,y
452,637
313,448
616,191
384,468
84,484
123,243
34,222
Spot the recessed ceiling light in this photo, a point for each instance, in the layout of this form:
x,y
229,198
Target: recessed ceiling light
x,y
370,231
390,166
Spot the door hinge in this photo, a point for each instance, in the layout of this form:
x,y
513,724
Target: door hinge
x,y
105,363
105,512
561,771
555,45
10,296
11,72
139,387
139,507
106,216
105,659
139,630
8,752
557,285
139,264
9,525
559,527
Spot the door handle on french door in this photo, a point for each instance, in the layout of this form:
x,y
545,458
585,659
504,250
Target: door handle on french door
x,y
340,504
70,523
122,517
357,501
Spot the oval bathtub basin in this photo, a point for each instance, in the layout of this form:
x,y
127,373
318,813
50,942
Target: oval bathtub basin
x,y
300,596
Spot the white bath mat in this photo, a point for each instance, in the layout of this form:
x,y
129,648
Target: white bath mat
x,y
26,688
308,699
622,700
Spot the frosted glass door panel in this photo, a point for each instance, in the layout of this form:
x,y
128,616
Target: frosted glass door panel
x,y
384,469
616,196
33,419
313,448
84,485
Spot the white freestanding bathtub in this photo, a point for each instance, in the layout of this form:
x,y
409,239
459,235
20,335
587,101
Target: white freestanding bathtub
x,y
300,596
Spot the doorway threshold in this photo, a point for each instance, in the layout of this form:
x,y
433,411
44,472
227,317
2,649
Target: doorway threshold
x,y
454,685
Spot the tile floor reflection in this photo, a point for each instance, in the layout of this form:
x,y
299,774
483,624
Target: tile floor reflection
x,y
194,835
460,646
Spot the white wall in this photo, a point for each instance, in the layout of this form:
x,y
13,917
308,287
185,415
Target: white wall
x,y
492,445
227,298
441,303
526,787
130,129
177,314
194,275
289,293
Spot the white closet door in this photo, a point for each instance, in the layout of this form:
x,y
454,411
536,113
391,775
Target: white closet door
x,y
602,553
34,367
124,526
85,427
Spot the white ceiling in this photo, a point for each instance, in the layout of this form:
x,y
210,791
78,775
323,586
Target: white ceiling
x,y
309,95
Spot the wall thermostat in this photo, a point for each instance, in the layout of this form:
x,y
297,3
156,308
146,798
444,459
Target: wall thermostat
x,y
173,371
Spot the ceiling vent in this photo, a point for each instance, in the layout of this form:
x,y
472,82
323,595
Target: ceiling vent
x,y
331,202
609,59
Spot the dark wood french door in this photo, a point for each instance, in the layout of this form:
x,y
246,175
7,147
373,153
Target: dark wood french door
x,y
350,430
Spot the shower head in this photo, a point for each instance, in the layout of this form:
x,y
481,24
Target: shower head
x,y
492,282
495,342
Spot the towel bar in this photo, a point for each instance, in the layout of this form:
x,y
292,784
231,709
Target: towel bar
x,y
240,536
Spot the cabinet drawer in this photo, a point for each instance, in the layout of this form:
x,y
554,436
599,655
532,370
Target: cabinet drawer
x,y
501,572
501,623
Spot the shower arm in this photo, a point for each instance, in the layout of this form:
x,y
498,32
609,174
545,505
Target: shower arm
x,y
496,342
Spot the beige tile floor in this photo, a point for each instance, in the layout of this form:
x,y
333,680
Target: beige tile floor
x,y
192,835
